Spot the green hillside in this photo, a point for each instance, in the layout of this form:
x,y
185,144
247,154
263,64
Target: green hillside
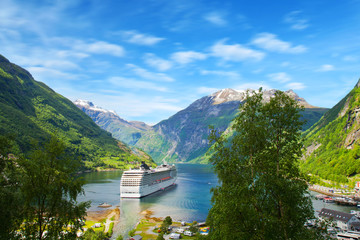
x,y
31,111
332,144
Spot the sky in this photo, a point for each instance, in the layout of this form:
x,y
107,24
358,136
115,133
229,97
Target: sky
x,y
148,59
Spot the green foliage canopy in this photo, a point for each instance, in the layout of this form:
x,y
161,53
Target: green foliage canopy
x,y
262,193
49,189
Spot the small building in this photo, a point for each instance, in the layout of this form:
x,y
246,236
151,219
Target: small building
x,y
188,233
345,221
136,237
175,236
96,225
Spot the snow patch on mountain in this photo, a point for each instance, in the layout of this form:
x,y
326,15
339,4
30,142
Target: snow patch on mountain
x,y
90,106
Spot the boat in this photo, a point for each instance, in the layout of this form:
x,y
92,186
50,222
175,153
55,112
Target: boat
x,y
138,183
328,200
321,196
105,205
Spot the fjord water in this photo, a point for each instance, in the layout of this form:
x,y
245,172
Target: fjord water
x,y
189,200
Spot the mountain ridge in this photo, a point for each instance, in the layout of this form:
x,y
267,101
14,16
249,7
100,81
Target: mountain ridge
x,y
183,137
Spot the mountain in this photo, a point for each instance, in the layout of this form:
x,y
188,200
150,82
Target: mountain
x,y
126,131
332,144
31,111
184,136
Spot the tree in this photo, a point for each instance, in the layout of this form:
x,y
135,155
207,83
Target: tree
x,y
50,188
262,194
120,237
193,227
132,232
90,234
166,224
10,197
160,236
168,221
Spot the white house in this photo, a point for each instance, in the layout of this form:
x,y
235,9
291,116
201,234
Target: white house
x,y
175,236
345,221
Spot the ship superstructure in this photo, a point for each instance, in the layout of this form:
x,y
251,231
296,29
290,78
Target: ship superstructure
x,y
137,183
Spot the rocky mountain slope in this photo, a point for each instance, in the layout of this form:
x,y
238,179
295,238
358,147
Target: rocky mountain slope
x,y
125,131
31,111
333,143
184,136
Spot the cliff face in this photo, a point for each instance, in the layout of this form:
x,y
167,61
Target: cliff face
x,y
333,142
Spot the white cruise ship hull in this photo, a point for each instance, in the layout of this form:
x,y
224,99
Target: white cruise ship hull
x,y
137,183
142,191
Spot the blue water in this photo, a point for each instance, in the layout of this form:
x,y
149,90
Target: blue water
x,y
188,201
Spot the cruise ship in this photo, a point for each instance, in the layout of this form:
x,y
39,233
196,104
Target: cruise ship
x,y
137,183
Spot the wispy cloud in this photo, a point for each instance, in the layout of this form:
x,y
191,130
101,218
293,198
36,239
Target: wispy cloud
x,y
229,74
206,90
215,18
280,77
296,86
296,20
145,74
271,43
187,57
235,52
140,38
45,74
99,47
136,84
130,106
350,58
156,62
326,68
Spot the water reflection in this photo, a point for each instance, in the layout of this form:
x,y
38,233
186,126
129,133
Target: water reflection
x,y
188,200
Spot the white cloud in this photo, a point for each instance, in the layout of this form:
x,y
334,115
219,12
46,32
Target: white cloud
x,y
229,74
100,47
135,84
206,90
270,42
157,62
326,68
187,57
280,77
215,18
295,86
296,21
46,75
143,73
235,52
140,38
130,106
349,58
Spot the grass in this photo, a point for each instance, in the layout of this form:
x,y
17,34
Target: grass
x,y
144,226
111,228
89,224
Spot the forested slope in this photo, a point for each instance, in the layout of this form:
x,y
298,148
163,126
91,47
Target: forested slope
x,y
30,111
332,143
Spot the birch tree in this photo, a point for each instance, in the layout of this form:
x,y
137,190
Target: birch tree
x,y
262,194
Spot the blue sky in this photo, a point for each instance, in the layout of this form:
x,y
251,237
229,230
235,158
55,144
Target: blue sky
x,y
148,59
